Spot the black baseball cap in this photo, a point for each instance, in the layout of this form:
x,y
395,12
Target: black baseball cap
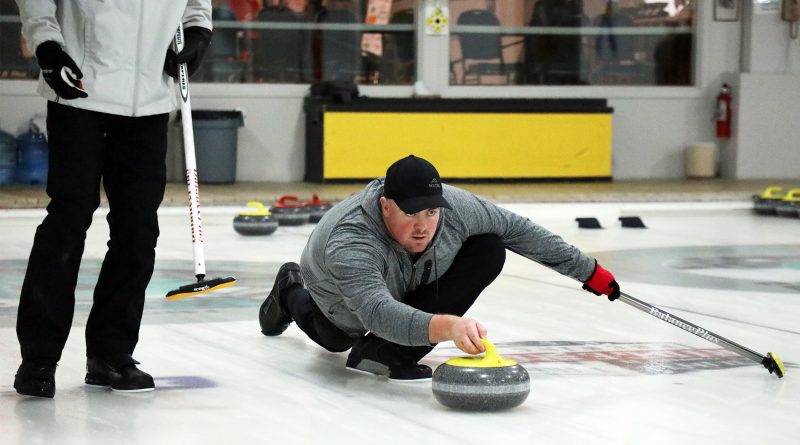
x,y
414,185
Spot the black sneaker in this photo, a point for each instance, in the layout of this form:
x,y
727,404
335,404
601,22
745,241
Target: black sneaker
x,y
36,378
272,316
377,356
118,371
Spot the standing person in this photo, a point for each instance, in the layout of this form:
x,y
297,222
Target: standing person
x,y
103,70
403,260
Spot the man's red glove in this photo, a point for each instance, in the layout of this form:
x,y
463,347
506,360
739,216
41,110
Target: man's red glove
x,y
602,282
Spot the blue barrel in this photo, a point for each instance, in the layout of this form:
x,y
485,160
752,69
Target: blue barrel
x,y
32,165
8,157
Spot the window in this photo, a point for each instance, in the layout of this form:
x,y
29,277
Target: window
x,y
571,42
303,41
492,42
15,60
280,41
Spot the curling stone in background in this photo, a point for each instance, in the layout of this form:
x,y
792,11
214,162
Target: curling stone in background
x,y
488,383
317,208
768,200
790,204
290,212
257,222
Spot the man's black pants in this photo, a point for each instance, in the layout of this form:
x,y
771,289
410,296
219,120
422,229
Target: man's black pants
x,y
128,154
477,264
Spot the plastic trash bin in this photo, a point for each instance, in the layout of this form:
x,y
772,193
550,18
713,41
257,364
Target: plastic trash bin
x,y
215,144
701,160
32,164
8,158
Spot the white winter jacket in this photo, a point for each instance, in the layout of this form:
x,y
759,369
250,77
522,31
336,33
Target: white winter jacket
x,y
119,45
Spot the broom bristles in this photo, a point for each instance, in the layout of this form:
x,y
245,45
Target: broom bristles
x,y
200,287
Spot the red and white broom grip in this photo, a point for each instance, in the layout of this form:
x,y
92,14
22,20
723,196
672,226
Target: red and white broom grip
x,y
191,163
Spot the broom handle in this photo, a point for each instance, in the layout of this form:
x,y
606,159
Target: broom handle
x,y
688,326
191,163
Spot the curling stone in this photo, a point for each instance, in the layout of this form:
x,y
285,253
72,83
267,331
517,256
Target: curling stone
x,y
767,201
290,212
317,208
256,222
488,383
790,204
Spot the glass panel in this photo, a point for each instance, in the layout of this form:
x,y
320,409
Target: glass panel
x,y
571,42
285,41
15,60
303,41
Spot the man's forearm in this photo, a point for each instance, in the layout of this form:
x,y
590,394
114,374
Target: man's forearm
x,y
466,333
440,328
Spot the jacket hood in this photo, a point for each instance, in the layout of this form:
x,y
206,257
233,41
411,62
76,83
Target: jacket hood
x,y
370,205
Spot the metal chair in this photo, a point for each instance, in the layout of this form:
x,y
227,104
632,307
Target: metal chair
x,y
281,55
222,63
481,54
555,58
399,61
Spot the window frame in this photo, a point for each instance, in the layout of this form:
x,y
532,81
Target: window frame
x,y
433,72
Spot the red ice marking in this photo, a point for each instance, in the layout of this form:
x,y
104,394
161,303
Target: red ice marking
x,y
194,207
621,356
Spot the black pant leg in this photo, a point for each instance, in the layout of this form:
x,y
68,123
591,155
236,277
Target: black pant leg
x,y
477,264
313,322
134,178
47,299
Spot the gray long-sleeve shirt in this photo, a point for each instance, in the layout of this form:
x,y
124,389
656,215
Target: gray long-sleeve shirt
x,y
358,274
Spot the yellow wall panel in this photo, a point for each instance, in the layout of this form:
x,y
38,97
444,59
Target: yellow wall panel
x,y
469,145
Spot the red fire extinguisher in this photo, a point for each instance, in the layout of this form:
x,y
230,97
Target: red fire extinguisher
x,y
723,114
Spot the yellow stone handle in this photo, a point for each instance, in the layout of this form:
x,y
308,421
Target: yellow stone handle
x,y
772,192
491,359
793,195
260,210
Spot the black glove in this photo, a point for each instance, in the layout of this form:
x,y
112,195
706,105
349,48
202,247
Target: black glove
x,y
60,71
195,41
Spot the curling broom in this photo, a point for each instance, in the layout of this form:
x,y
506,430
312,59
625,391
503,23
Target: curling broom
x,y
202,285
771,361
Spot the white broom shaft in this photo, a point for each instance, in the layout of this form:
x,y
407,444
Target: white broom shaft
x,y
191,163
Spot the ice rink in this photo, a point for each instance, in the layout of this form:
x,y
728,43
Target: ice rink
x,y
601,372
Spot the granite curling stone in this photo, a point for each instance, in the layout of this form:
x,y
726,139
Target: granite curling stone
x,y
317,208
254,223
488,383
290,212
768,200
790,204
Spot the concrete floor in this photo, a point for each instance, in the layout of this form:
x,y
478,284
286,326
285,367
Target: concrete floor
x,y
616,191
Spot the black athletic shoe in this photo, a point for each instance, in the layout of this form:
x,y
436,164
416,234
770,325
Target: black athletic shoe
x,y
36,378
118,371
272,316
380,357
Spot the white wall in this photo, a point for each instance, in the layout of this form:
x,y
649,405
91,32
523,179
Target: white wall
x,y
18,103
766,134
271,145
652,125
768,47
